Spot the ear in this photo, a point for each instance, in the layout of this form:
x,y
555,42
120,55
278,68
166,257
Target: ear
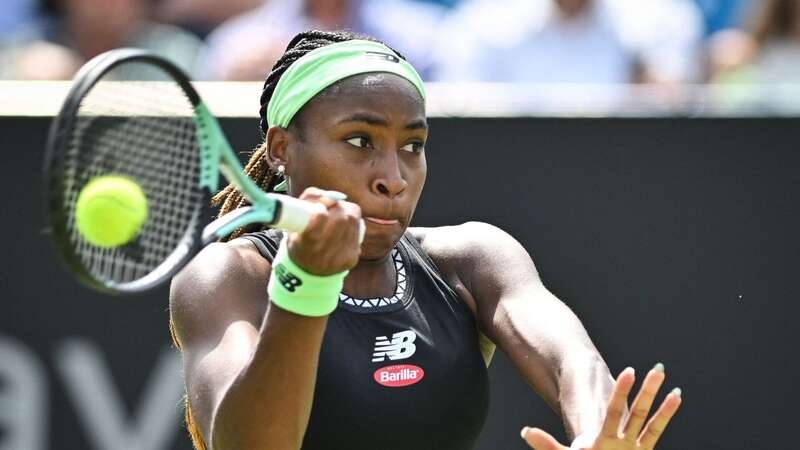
x,y
277,147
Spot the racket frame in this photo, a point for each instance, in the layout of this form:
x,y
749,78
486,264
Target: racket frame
x,y
215,155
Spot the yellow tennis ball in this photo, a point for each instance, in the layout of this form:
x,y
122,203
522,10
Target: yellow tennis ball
x,y
110,210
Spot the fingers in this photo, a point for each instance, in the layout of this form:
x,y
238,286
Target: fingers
x,y
655,427
330,242
640,408
327,198
540,439
618,403
334,202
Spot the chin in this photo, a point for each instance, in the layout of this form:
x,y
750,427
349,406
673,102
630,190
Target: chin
x,y
378,246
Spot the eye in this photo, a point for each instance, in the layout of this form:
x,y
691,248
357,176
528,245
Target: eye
x,y
414,147
359,141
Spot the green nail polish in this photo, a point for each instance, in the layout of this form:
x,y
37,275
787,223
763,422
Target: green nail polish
x,y
658,367
676,392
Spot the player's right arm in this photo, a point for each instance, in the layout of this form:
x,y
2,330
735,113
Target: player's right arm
x,y
249,366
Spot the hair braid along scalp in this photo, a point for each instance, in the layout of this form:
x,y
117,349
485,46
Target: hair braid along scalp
x,y
257,168
230,198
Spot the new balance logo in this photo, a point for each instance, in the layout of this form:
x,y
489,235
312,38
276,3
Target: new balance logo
x,y
401,346
287,280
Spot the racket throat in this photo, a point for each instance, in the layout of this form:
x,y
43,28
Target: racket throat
x,y
211,147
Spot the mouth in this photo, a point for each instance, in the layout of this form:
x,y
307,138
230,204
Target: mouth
x,y
380,221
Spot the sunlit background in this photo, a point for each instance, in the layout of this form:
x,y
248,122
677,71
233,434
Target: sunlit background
x,y
643,151
597,55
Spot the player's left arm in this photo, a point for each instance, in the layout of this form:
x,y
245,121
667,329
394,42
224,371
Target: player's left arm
x,y
547,342
537,331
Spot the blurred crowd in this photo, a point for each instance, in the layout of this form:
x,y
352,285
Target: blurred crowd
x,y
659,42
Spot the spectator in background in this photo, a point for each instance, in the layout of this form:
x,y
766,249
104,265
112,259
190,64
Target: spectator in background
x,y
767,52
410,25
82,29
722,14
758,68
445,3
572,41
246,47
16,13
202,16
16,18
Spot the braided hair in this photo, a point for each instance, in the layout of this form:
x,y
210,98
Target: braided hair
x,y
230,198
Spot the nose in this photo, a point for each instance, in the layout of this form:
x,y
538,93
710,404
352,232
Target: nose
x,y
390,181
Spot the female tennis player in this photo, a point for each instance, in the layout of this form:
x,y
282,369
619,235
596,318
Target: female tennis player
x,y
316,340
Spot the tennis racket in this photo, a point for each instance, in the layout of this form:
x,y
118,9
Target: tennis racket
x,y
134,114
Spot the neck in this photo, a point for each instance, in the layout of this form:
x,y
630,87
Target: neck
x,y
372,278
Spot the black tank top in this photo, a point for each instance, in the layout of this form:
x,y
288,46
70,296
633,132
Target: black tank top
x,y
402,372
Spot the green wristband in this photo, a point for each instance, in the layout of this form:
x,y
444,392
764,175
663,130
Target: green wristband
x,y
295,290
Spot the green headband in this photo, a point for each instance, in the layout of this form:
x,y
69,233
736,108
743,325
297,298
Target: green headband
x,y
322,67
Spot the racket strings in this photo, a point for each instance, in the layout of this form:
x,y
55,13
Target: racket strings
x,y
143,130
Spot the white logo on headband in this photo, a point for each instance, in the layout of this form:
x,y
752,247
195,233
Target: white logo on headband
x,y
385,56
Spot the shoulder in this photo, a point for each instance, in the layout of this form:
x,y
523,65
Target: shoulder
x,y
467,241
224,282
485,258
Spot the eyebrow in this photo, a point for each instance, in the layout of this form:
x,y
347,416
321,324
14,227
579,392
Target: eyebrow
x,y
372,119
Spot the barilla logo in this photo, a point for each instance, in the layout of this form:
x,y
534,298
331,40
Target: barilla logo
x,y
398,375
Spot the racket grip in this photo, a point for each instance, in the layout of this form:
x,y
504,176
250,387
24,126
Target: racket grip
x,y
295,214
